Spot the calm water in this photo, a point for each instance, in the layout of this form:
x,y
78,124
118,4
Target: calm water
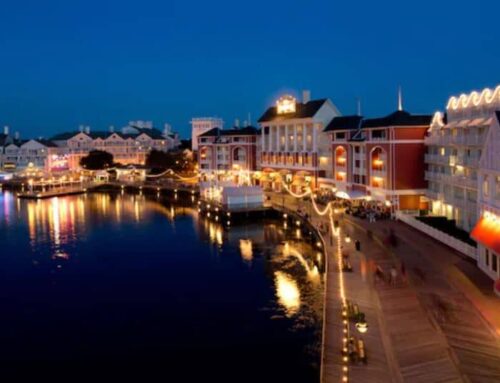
x,y
119,284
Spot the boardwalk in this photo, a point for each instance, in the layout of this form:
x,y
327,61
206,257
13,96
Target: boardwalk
x,y
423,329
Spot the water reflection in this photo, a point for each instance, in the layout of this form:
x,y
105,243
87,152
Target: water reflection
x,y
246,250
288,293
61,222
262,272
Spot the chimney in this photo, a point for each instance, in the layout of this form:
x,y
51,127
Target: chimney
x,y
87,129
306,96
111,128
6,130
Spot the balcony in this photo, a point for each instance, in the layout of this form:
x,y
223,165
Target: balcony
x,y
377,173
432,176
460,180
436,159
434,195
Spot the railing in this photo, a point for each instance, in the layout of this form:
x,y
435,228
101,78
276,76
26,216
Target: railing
x,y
433,194
436,158
432,176
378,173
438,235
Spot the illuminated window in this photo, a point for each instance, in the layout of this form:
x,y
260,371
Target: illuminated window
x,y
486,186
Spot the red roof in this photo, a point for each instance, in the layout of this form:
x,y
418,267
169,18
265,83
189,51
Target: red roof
x,y
487,232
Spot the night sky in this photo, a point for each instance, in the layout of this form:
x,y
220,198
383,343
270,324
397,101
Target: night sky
x,y
101,63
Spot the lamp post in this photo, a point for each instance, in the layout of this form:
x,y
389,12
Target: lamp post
x,y
288,182
308,183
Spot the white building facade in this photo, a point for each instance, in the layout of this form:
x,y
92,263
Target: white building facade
x,y
463,170
293,143
200,125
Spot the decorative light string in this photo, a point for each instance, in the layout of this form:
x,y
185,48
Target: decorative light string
x,y
335,232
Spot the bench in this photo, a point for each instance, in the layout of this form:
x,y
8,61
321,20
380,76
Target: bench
x,y
361,351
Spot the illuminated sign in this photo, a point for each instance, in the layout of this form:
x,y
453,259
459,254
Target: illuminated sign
x,y
286,104
59,162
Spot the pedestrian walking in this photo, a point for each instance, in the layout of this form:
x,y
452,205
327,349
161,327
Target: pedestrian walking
x,y
394,275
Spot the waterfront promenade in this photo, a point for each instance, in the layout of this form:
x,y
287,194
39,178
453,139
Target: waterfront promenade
x,y
434,325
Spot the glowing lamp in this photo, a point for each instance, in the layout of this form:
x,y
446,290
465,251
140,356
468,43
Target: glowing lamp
x,y
362,326
286,104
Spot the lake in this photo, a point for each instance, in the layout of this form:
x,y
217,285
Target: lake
x,y
122,285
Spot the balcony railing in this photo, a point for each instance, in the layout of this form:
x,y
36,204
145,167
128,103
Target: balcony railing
x,y
436,159
432,176
379,173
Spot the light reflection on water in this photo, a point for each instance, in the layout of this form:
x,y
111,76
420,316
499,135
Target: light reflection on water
x,y
284,271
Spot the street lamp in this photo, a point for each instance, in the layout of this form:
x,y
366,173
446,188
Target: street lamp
x,y
361,324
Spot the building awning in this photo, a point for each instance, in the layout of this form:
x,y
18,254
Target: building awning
x,y
487,233
353,194
476,122
463,123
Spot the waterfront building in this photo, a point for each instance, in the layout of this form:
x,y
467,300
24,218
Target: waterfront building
x,y
231,153
464,170
130,146
200,125
380,159
293,143
19,155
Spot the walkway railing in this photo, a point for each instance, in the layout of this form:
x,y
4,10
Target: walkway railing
x,y
447,239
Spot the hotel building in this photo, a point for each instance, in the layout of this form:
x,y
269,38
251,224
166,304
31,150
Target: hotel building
x,y
202,125
380,159
130,146
229,153
463,170
293,144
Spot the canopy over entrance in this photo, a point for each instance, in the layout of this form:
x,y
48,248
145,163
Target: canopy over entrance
x,y
487,232
353,194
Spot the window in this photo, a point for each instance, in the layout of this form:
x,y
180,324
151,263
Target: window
x,y
486,186
356,178
497,187
356,149
340,136
378,134
494,262
357,163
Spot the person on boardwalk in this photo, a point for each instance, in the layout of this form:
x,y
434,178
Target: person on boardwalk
x,y
394,275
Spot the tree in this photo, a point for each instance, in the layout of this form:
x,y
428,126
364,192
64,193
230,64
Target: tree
x,y
97,160
177,161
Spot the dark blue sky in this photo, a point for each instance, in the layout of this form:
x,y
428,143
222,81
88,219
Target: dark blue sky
x,y
101,63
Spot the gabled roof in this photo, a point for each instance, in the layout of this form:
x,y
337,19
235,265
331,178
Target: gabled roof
x,y
47,143
398,118
217,132
153,133
40,141
344,123
306,110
